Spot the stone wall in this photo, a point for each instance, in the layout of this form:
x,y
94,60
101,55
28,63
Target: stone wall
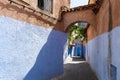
x,y
70,18
92,1
56,5
26,15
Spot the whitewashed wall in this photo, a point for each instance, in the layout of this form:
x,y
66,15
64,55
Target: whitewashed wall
x,y
97,51
29,52
115,34
97,54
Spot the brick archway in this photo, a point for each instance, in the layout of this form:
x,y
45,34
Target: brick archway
x,y
83,15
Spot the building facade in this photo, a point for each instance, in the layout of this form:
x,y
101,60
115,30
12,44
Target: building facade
x,y
32,40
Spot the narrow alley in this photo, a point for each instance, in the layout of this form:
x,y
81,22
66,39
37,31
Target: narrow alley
x,y
76,69
38,36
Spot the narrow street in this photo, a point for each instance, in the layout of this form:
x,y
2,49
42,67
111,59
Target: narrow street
x,y
76,69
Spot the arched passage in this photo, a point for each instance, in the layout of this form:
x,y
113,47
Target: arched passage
x,y
89,35
82,15
68,27
77,34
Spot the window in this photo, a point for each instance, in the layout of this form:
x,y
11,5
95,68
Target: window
x,y
45,5
41,4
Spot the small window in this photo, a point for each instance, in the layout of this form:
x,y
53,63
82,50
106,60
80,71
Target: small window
x,y
45,5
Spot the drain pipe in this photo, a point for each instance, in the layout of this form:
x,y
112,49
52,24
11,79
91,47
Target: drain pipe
x,y
110,24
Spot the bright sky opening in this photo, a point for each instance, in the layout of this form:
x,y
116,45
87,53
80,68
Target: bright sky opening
x,y
76,3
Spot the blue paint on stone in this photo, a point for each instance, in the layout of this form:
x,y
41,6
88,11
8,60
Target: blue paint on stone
x,y
115,33
83,51
97,51
29,52
113,72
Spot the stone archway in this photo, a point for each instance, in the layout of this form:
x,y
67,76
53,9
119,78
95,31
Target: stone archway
x,y
89,36
75,16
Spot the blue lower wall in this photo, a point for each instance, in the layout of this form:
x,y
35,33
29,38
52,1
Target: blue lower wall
x,y
97,54
29,52
115,33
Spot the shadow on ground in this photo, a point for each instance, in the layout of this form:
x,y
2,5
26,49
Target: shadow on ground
x,y
77,59
77,71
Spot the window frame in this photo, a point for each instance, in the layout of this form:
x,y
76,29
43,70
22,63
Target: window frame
x,y
42,6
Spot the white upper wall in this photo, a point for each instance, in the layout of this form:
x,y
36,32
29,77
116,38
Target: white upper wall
x,y
76,3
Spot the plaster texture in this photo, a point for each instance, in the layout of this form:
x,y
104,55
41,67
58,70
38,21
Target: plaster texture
x,y
29,52
97,55
116,50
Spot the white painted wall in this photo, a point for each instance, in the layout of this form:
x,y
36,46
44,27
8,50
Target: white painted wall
x,y
29,52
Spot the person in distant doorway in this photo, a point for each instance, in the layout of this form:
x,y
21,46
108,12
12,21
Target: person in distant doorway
x,y
71,49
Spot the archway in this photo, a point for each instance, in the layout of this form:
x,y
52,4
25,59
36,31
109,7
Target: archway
x,y
77,38
90,34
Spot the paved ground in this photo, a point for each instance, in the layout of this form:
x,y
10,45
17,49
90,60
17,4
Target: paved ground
x,y
76,69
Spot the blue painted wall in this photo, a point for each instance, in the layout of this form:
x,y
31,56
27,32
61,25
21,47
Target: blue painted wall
x,y
83,51
29,52
115,33
97,51
97,54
